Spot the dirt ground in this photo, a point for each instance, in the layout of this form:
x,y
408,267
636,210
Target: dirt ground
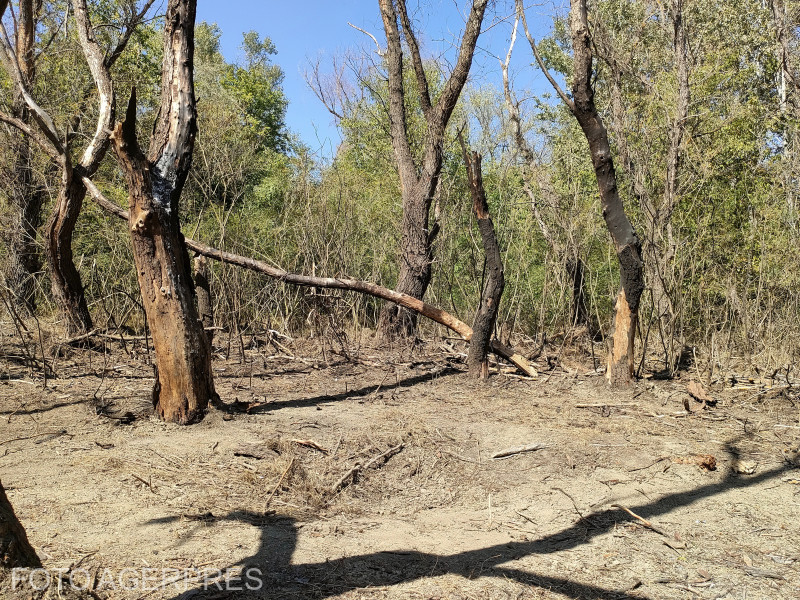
x,y
371,476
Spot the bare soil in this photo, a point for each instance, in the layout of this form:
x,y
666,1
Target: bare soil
x,y
102,486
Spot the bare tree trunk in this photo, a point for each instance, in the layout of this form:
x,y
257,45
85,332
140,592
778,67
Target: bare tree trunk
x,y
205,307
620,367
15,549
486,315
26,196
184,384
66,281
418,182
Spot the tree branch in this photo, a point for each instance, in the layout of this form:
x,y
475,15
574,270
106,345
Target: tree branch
x,y
539,61
41,117
416,60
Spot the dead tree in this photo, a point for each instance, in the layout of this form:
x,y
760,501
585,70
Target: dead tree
x,y
25,194
66,281
419,179
184,385
338,283
15,549
620,364
486,315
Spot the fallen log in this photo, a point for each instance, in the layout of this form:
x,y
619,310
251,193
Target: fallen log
x,y
339,283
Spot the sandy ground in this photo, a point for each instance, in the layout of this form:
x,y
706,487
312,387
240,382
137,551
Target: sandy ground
x,y
243,505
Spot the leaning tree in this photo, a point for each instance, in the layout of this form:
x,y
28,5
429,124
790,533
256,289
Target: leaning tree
x,y
620,365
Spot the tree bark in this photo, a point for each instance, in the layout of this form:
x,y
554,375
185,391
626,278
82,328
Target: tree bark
x,y
338,283
184,385
486,315
418,182
26,196
15,549
66,282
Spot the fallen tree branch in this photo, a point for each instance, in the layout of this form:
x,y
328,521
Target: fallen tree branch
x,y
358,467
340,283
642,520
517,450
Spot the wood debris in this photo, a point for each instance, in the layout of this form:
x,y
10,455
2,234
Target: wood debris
x,y
517,450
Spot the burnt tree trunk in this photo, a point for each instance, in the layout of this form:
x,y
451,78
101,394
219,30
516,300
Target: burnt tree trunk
x,y
620,365
205,307
184,385
418,178
26,196
620,368
65,279
15,549
580,309
486,315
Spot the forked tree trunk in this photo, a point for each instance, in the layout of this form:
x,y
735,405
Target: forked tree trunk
x,y
184,385
486,315
15,549
418,178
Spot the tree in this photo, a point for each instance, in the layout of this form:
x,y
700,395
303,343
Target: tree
x,y
184,384
15,549
419,179
66,281
489,303
26,194
620,364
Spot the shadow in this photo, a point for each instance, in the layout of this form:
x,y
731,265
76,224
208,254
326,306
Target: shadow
x,y
43,409
278,577
244,407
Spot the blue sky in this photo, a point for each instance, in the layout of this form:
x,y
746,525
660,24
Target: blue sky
x,y
303,30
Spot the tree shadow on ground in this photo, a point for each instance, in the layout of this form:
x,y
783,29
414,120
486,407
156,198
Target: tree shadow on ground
x,y
277,577
244,407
